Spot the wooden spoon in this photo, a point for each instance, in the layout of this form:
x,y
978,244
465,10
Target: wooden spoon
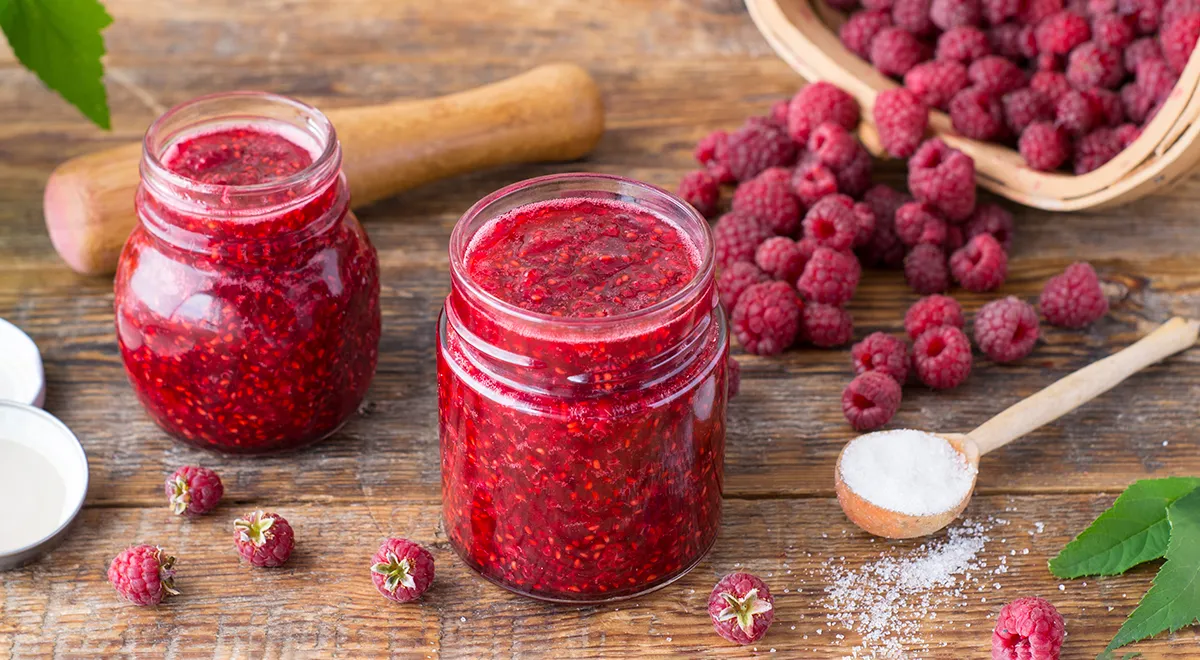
x,y
1042,408
551,113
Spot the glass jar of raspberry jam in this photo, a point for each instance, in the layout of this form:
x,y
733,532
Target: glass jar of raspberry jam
x,y
247,297
582,388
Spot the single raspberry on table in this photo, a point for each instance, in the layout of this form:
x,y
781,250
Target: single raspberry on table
x,y
816,104
1028,629
264,539
895,50
733,376
881,352
1145,48
977,114
1107,105
1178,39
913,17
1033,12
1092,65
782,258
1146,12
769,198
949,14
963,44
737,236
864,218
1006,329
143,575
870,400
1114,31
1076,113
1050,84
1155,78
755,147
932,312
884,248
925,269
1095,149
860,29
1060,33
401,570
1013,40
741,608
980,265
1024,106
831,223
702,190
830,277
942,357
735,279
936,82
833,145
826,326
813,181
917,223
991,218
901,119
193,490
766,318
943,177
996,75
1074,299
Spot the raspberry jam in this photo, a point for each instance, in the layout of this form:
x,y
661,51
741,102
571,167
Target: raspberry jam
x,y
582,388
247,298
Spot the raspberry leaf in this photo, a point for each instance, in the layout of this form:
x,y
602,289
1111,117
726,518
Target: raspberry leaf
x,y
1134,530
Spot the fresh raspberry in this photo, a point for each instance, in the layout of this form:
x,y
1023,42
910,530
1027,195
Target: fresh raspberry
x,y
816,104
831,223
980,265
932,312
1061,33
813,181
1051,84
917,223
741,608
709,151
1033,12
859,31
1028,629
1095,149
735,279
1024,106
901,119
877,5
1127,133
733,376
1073,299
1075,113
829,277
963,44
942,357
1107,105
1173,9
1092,65
936,82
1155,78
700,189
996,75
1006,329
884,248
401,570
864,219
264,539
826,326
913,17
955,238
943,177
1146,12
977,114
870,400
736,236
755,147
766,318
996,12
991,218
881,352
1136,103
1114,31
143,575
1178,38
949,14
855,178
1049,62
1098,7
925,269
894,51
769,198
833,145
1145,48
781,258
193,490
779,112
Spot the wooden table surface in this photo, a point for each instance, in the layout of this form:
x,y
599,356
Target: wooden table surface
x,y
671,71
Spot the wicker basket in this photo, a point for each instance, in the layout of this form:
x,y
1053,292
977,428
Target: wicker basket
x,y
804,34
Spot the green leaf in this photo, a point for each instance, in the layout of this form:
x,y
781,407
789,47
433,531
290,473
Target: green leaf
x,y
1173,601
60,41
1108,655
1132,531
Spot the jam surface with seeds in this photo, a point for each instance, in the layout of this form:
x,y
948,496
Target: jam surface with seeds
x,y
573,468
253,333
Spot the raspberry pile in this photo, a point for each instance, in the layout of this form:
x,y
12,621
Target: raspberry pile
x,y
1068,83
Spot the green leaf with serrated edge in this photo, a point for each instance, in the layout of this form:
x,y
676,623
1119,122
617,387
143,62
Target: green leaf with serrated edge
x,y
1108,655
1173,601
60,41
1132,531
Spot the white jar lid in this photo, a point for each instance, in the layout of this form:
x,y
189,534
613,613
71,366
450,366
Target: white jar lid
x,y
21,376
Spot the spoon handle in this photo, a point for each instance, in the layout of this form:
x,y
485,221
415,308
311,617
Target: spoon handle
x,y
1084,385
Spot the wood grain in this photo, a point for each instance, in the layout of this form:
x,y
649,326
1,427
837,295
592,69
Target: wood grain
x,y
669,72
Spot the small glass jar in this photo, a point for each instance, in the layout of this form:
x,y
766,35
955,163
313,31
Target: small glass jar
x,y
247,302
582,458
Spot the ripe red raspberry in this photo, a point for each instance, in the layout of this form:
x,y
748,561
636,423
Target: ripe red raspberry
x,y
700,189
864,219
829,277
755,147
942,357
996,75
980,265
1049,62
925,269
1028,629
736,236
401,570
977,114
264,539
833,145
1145,48
955,238
1051,84
1074,299
831,223
779,112
917,223
769,198
709,151
1136,103
894,51
932,312
991,218
1114,31
1107,105
1060,33
1173,9
996,12
813,181
193,490
963,44
733,376
1127,133
855,178
1178,39
1095,149
884,249
1076,114
826,326
901,119
1097,7
741,608
143,575
936,82
881,352
1024,106
1092,65
1155,78
949,14
877,5
870,400
1033,12
944,178
859,31
1146,12
735,279
766,318
1006,329
913,17
782,258
816,104
1013,40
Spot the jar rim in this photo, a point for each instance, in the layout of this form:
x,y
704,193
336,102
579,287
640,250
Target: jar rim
x,y
460,242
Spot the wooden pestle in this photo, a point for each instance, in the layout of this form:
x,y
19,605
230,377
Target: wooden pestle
x,y
550,113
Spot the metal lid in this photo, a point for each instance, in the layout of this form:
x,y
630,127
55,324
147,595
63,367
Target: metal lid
x,y
21,376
